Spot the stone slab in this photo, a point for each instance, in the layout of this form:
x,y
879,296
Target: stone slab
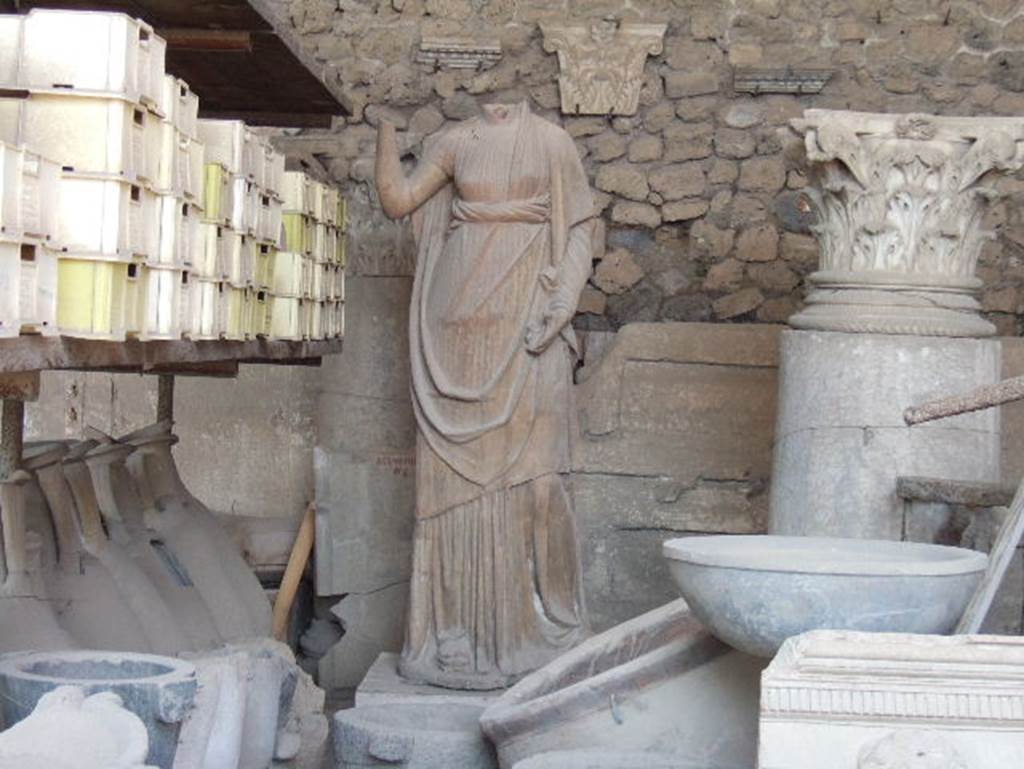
x,y
383,686
372,622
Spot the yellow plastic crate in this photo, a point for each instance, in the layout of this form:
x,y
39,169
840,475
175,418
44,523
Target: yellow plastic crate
x,y
237,305
260,314
216,193
265,257
93,297
298,233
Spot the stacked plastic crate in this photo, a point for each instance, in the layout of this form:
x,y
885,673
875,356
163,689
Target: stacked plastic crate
x,y
242,226
308,286
28,227
171,308
85,88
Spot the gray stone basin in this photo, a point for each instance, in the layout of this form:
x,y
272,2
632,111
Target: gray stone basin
x,y
754,592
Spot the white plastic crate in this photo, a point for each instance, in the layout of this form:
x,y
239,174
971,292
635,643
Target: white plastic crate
x,y
308,268
152,63
209,258
180,106
335,283
28,289
274,175
319,249
295,193
28,194
330,244
85,133
287,317
107,217
319,292
288,274
173,162
336,319
245,199
207,309
88,51
194,184
241,258
268,219
161,313
314,311
179,232
230,143
317,193
10,48
330,205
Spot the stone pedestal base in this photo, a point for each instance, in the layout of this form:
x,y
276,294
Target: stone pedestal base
x,y
840,440
383,686
890,303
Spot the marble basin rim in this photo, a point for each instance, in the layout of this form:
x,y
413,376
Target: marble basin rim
x,y
755,591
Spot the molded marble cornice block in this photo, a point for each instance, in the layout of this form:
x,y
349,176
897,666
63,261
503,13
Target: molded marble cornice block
x,y
900,202
888,701
602,64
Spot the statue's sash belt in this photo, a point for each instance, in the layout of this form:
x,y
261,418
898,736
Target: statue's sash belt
x,y
531,211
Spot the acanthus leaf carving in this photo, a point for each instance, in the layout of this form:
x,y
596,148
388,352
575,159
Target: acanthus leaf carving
x,y
900,201
602,64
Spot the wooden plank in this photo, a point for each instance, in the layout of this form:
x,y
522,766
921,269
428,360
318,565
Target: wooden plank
x,y
260,117
36,353
1006,544
207,39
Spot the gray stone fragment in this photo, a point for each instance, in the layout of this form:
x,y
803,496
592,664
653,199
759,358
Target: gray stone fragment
x,y
605,759
412,737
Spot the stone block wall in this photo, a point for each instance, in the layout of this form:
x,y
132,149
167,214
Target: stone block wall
x,y
246,445
700,191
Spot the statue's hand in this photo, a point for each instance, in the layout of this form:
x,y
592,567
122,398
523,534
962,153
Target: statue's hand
x,y
540,334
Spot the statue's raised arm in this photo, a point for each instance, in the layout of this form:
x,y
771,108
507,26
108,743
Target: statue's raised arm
x,y
401,195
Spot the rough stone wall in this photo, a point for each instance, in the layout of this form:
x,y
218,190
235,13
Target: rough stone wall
x,y
700,191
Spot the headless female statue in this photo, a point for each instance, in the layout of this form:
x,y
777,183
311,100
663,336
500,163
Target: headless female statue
x,y
502,214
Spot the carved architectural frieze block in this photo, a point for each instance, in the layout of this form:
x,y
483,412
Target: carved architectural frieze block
x,y
900,201
601,64
458,53
892,701
786,80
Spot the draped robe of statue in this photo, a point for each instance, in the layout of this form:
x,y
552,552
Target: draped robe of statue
x,y
496,584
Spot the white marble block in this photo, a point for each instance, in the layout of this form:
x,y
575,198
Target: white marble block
x,y
846,700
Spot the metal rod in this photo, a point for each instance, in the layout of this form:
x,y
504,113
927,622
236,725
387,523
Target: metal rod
x,y
12,426
165,398
986,397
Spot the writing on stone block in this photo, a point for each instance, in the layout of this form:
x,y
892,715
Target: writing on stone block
x,y
403,465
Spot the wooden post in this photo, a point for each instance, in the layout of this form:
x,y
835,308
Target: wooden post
x,y
165,398
12,426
